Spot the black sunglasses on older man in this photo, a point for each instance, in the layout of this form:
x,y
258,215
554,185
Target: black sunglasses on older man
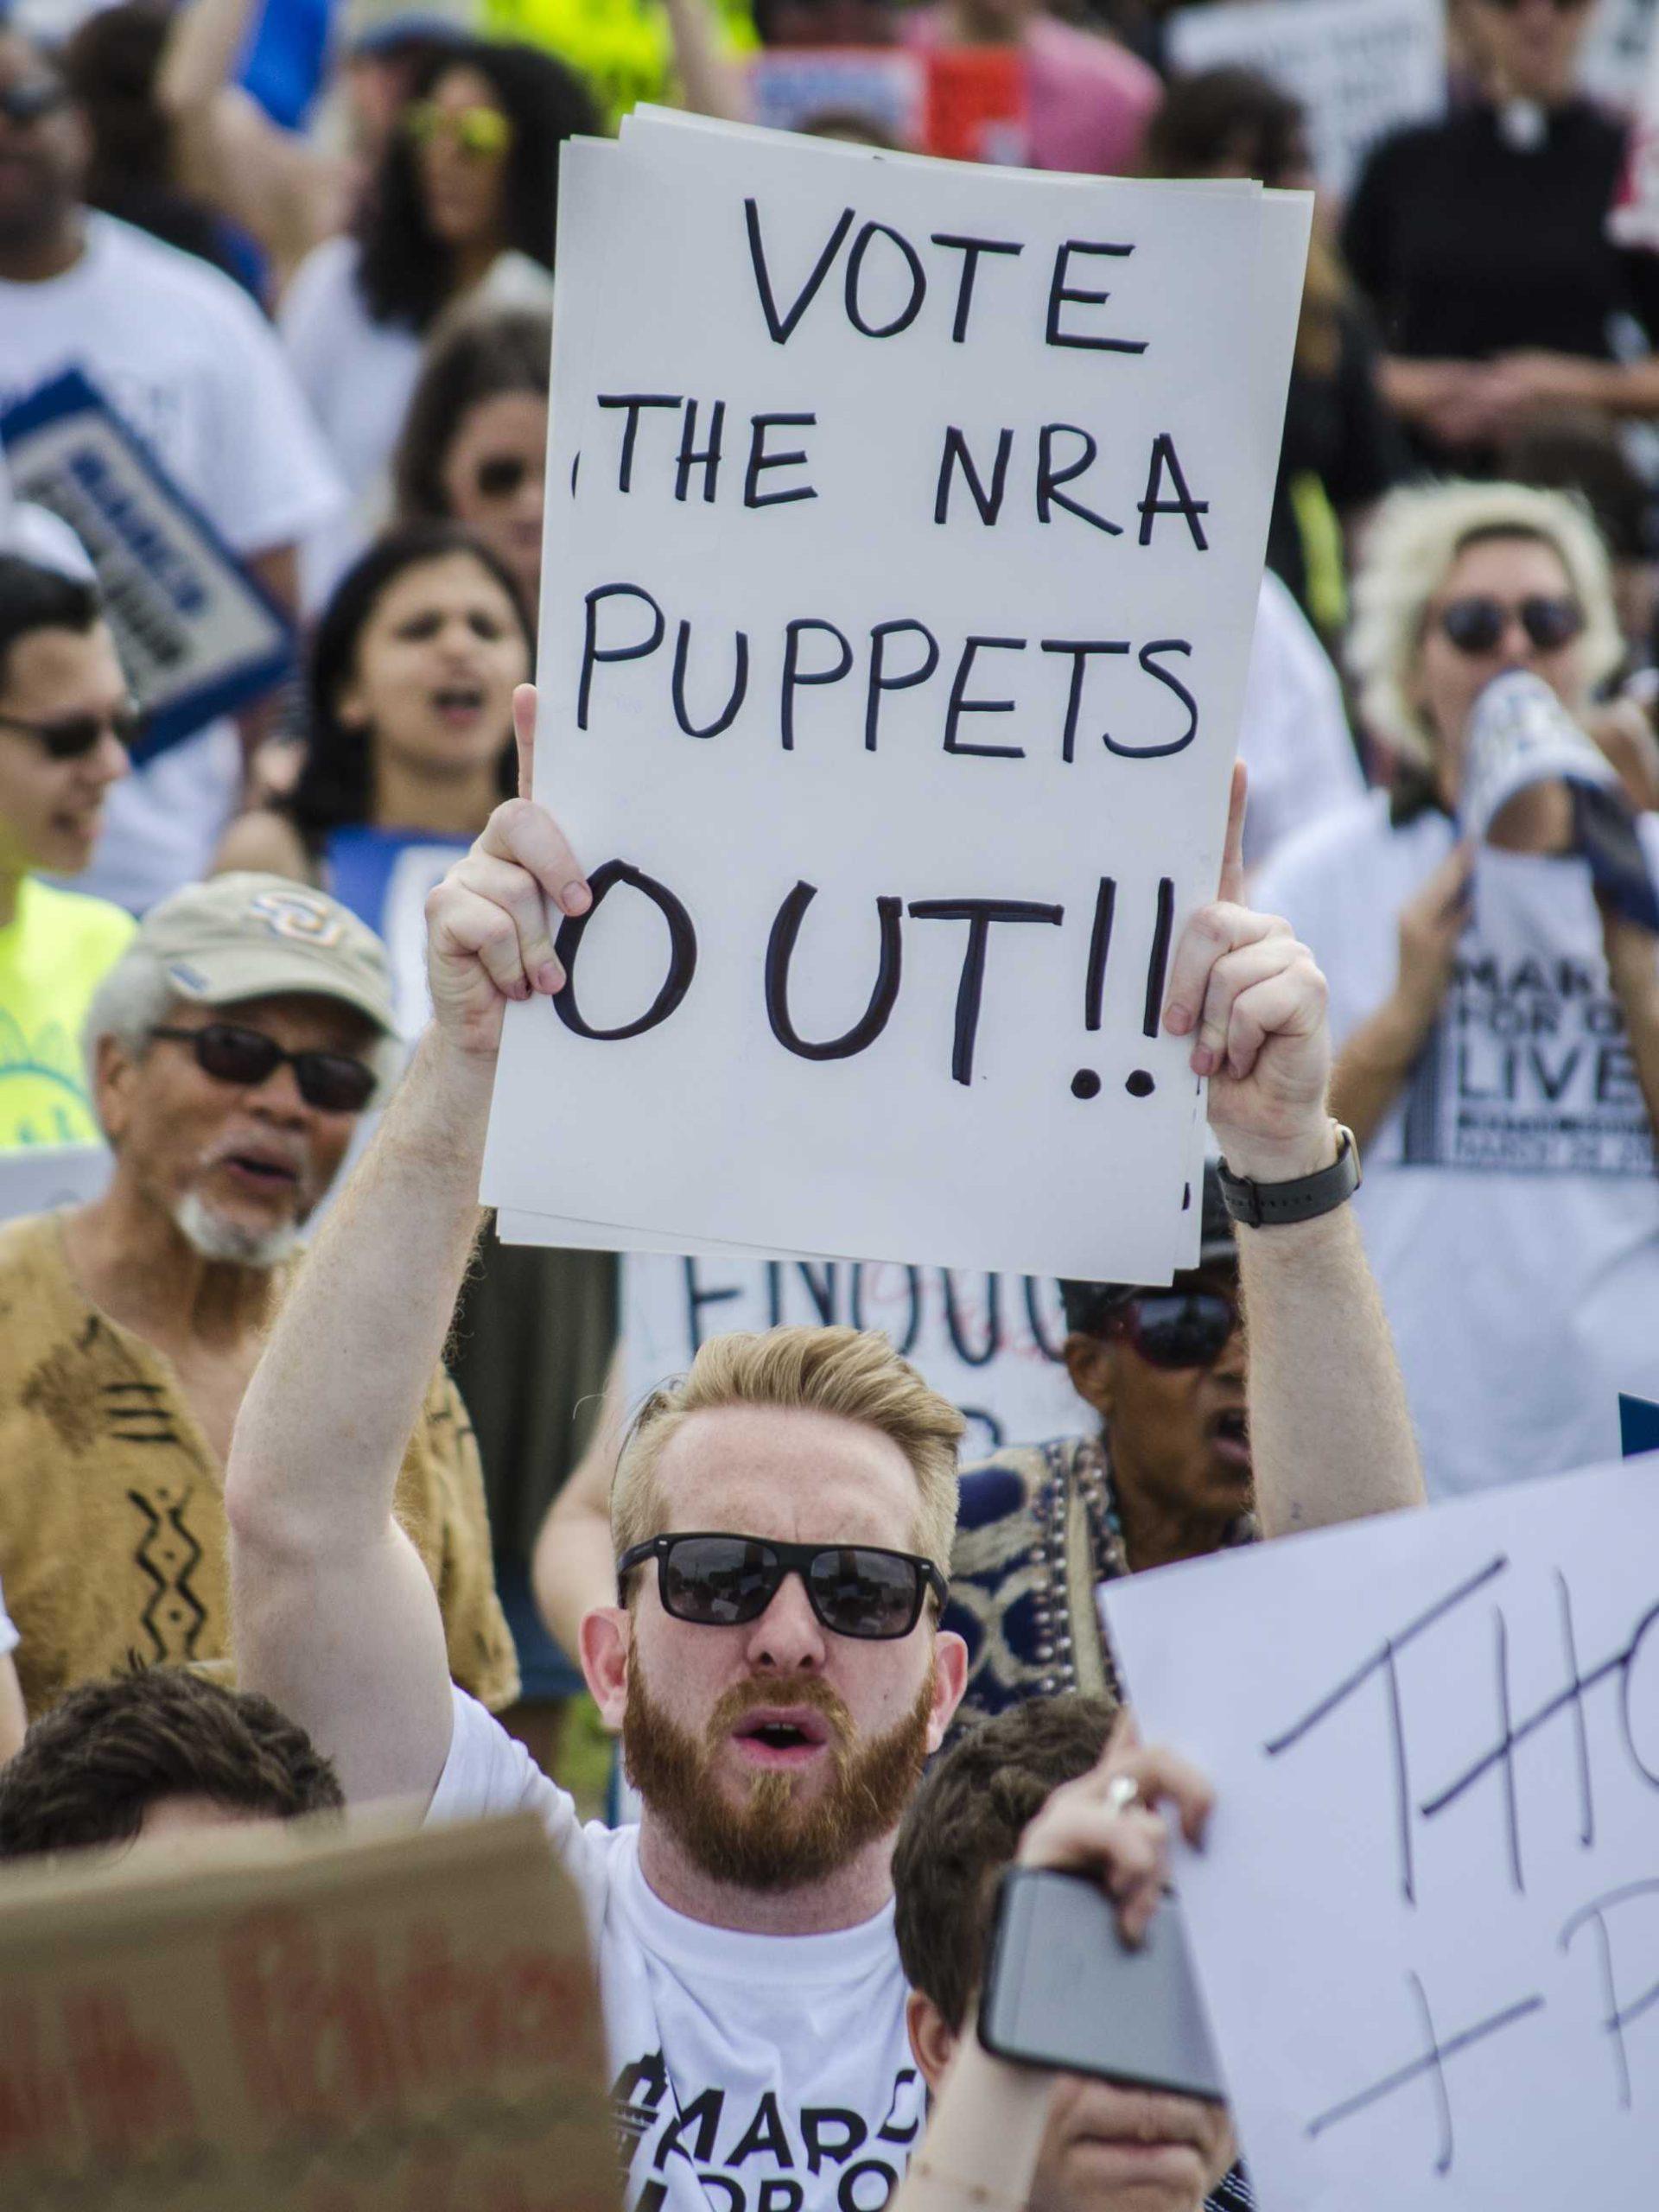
x,y
721,1581
333,1082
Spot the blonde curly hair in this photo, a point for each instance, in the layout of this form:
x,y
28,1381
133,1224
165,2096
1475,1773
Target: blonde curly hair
x,y
1416,535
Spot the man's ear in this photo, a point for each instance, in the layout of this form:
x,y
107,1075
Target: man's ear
x,y
113,1072
932,2039
605,1635
949,1680
1091,1362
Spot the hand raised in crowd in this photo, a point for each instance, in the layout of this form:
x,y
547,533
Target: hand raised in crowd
x,y
1253,1000
1094,1826
487,936
1431,922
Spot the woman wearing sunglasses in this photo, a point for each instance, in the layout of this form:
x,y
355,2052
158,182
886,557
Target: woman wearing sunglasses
x,y
1498,1029
474,440
463,205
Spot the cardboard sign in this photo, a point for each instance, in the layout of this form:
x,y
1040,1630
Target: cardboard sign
x,y
904,532
1427,1917
990,1343
198,635
389,2022
1359,68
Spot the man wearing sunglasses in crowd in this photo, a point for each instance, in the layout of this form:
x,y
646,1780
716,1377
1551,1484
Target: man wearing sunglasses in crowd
x,y
1162,1472
64,719
782,1518
232,1050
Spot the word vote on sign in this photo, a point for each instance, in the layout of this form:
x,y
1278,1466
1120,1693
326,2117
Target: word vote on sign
x,y
904,532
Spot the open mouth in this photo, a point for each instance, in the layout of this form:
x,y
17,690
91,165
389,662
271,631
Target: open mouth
x,y
261,1172
458,702
1229,1433
781,1739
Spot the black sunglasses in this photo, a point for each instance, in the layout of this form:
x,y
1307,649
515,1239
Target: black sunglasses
x,y
331,1081
77,735
1476,625
1176,1328
500,476
31,97
1562,6
721,1581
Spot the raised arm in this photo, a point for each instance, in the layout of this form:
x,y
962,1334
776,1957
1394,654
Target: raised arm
x,y
335,1618
1330,1434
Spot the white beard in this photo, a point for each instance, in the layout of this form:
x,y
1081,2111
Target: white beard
x,y
214,1238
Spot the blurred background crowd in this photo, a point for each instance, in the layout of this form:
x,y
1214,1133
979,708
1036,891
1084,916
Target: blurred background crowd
x,y
277,279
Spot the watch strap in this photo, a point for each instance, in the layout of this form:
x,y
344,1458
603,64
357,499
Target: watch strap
x,y
1272,1206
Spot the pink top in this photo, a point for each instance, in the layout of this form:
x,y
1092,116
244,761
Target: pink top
x,y
1090,98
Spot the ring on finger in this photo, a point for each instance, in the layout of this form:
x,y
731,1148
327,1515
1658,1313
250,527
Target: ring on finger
x,y
1121,1791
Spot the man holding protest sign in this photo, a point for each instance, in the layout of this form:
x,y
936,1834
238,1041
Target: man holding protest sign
x,y
754,2060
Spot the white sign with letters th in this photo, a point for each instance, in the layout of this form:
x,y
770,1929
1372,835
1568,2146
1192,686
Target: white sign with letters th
x,y
1427,1917
904,534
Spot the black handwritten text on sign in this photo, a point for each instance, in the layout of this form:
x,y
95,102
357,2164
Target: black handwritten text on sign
x,y
1613,1932
982,916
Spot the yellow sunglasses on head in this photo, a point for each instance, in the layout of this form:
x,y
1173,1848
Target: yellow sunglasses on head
x,y
478,131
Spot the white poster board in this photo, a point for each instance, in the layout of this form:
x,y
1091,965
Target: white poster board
x,y
991,1344
925,775
1359,68
1427,1917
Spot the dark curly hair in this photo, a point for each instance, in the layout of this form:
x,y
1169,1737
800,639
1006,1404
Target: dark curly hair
x,y
963,1827
335,783
91,1768
407,272
484,355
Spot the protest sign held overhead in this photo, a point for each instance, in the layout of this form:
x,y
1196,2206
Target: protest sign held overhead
x,y
1436,1783
290,2017
904,530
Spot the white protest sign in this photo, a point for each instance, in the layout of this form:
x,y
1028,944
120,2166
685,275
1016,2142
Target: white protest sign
x,y
880,673
1359,68
1427,1917
198,634
991,1344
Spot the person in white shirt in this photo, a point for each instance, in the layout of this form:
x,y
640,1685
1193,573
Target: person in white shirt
x,y
782,1517
183,356
1498,1030
463,205
1293,732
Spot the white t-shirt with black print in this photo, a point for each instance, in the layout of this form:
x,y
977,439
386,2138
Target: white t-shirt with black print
x,y
750,2073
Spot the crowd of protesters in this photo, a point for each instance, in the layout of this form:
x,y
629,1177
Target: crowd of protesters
x,y
281,1534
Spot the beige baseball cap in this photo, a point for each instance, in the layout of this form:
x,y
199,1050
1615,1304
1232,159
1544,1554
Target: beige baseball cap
x,y
247,936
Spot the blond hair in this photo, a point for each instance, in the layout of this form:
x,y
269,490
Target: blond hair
x,y
1417,534
853,1373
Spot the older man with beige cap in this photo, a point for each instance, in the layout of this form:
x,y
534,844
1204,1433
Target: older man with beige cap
x,y
232,1050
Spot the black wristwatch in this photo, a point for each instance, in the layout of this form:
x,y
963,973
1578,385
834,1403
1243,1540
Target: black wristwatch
x,y
1270,1206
